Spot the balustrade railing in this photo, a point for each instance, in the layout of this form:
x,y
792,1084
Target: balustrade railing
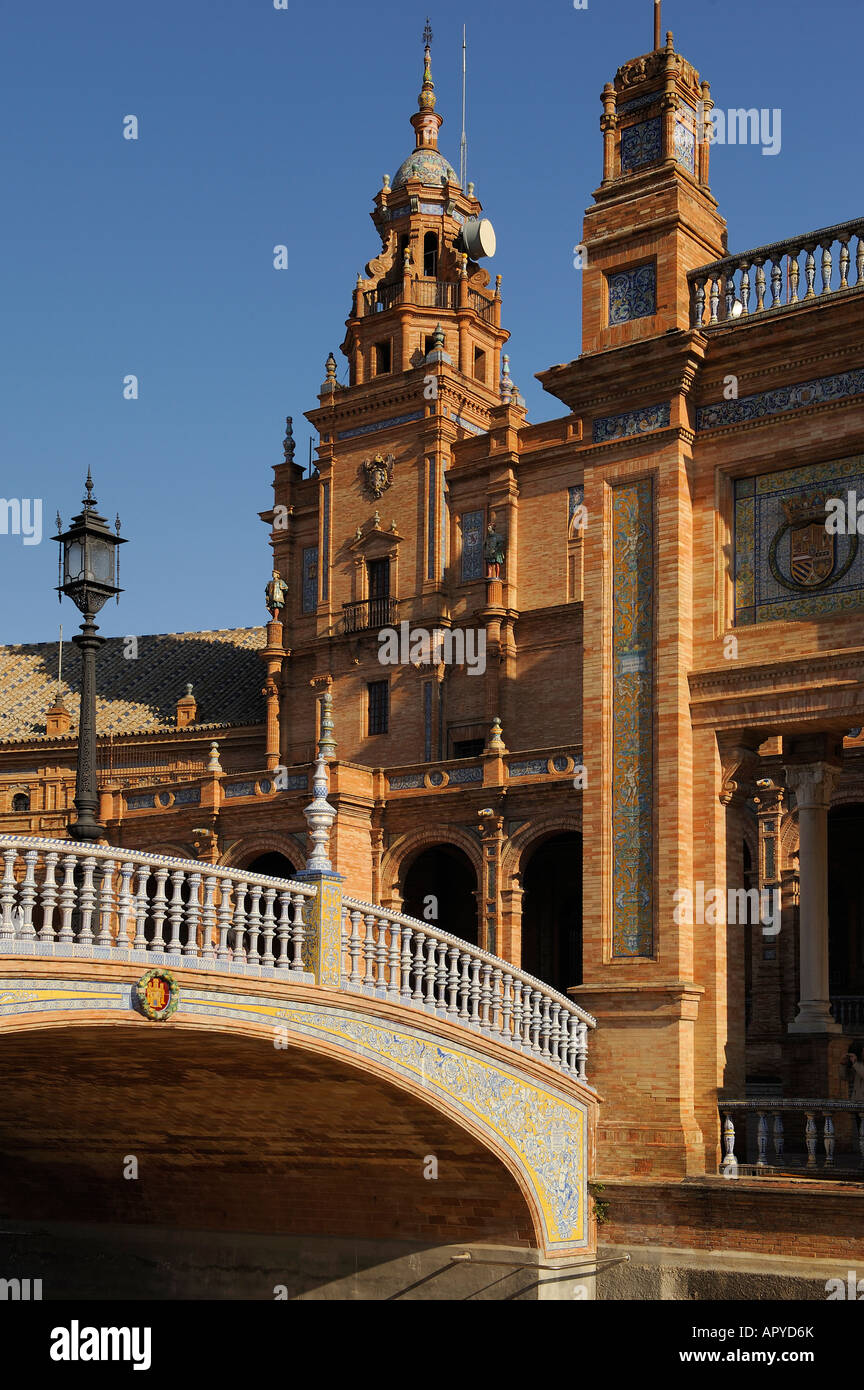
x,y
402,959
848,1011
770,1133
64,899
801,269
426,294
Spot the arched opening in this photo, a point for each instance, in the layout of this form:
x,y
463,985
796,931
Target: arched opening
x,y
21,802
440,887
272,863
846,904
552,911
430,254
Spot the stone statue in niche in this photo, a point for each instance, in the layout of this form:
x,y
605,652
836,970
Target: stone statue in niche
x,y
494,550
276,594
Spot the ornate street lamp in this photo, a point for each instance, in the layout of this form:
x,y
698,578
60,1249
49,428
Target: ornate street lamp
x,y
88,570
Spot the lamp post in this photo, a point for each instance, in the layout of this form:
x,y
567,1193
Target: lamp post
x,y
88,570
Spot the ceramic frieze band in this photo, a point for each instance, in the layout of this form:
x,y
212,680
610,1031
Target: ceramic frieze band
x,y
632,719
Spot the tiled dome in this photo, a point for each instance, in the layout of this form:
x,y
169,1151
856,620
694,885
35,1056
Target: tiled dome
x,y
428,165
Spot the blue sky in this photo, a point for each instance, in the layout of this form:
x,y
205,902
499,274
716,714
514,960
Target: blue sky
x,y
261,126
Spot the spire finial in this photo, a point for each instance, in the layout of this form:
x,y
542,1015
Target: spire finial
x,y
89,502
427,34
426,100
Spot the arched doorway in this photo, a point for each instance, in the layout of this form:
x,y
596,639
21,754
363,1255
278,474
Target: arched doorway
x,y
442,881
552,911
846,901
272,863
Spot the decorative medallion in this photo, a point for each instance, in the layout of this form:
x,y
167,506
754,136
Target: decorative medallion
x,y
158,994
377,474
812,549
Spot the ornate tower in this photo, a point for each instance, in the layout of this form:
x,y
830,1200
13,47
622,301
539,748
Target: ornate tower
x,y
366,541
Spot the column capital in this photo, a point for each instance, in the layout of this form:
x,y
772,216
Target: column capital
x,y
813,784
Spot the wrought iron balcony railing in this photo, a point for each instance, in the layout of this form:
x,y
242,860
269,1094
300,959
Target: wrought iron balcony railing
x,y
368,614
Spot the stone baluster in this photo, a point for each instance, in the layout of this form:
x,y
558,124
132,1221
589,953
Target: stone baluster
x,y
729,1165
106,903
464,986
7,894
526,1017
729,290
283,932
226,917
545,1027
745,288
536,1019
160,908
776,281
253,924
268,927
826,269
859,261
239,927
88,902
394,982
48,897
485,997
810,1137
441,979
453,983
517,1013
573,1046
26,929
124,904
175,912
369,952
762,1140
67,898
355,979
760,286
208,919
778,1137
699,304
714,298
583,1051
829,1139
555,1034
810,272
844,261
475,993
298,932
193,913
405,966
429,972
507,1007
268,922
495,1002
141,907
381,953
794,273
419,968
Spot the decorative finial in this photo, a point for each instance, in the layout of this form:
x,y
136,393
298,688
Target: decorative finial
x,y
495,742
427,95
288,442
59,523
188,687
427,33
117,522
438,339
214,764
377,521
506,383
89,502
331,371
470,190
386,184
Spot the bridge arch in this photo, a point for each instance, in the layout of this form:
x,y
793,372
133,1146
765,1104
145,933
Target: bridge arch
x,y
242,852
505,1108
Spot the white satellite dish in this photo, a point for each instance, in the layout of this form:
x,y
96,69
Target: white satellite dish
x,y
478,238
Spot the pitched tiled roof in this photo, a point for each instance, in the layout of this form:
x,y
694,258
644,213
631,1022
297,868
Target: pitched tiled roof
x,y
137,694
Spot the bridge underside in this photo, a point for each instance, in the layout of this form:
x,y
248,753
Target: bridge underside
x,y
229,1135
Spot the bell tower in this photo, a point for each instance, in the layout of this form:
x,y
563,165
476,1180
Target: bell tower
x,y
367,538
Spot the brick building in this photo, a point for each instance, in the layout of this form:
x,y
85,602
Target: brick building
x,y
627,628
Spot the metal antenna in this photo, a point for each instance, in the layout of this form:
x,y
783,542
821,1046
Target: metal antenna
x,y
60,663
656,25
463,149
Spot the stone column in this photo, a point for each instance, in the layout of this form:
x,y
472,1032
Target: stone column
x,y
813,784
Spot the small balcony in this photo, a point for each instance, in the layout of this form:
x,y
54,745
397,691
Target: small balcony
x,y
368,614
